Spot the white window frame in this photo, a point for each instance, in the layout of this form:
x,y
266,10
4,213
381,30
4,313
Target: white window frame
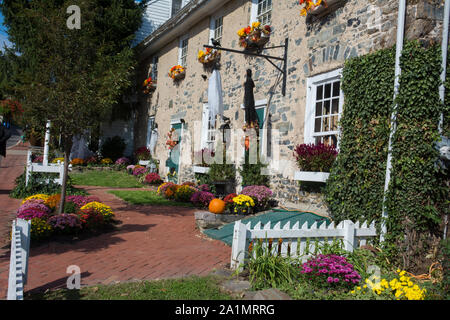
x,y
213,27
151,120
180,51
208,132
312,83
254,14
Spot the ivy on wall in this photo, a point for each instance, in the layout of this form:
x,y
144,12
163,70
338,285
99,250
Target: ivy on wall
x,y
418,192
355,188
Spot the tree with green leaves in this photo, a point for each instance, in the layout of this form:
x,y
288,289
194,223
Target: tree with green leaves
x,y
69,76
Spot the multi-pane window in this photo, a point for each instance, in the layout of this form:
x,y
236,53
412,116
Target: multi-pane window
x,y
264,11
211,135
327,113
323,108
155,68
218,29
183,52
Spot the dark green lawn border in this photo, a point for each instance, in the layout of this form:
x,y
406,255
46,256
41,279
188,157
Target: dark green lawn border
x,y
147,197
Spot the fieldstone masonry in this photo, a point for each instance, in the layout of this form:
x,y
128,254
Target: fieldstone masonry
x,y
315,46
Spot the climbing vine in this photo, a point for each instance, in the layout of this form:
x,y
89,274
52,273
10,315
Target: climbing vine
x,y
416,200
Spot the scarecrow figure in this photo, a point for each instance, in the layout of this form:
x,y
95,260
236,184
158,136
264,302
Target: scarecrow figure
x,y
251,118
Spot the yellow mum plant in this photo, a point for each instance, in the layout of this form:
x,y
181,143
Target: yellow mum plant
x,y
39,196
101,208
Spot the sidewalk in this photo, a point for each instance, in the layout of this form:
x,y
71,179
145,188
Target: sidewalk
x,y
150,243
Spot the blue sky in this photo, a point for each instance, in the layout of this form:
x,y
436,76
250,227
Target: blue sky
x,y
3,34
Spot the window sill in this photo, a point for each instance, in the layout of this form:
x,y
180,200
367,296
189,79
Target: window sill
x,y
311,176
199,169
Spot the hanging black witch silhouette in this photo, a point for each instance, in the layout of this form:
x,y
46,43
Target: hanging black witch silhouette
x,y
251,118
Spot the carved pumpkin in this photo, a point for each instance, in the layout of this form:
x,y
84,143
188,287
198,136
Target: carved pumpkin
x,y
217,206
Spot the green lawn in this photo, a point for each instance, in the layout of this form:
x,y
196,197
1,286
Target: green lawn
x,y
146,197
106,178
192,288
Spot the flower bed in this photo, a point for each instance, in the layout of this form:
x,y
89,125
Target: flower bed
x,y
81,214
252,199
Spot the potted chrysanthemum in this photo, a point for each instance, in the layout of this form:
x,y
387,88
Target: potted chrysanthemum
x,y
314,161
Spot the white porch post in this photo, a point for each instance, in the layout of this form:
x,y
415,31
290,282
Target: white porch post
x,y
46,143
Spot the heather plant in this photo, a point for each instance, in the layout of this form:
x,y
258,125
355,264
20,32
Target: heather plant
x,y
330,271
315,157
202,198
260,194
65,223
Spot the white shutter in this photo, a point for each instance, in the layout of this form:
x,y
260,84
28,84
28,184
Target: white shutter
x,y
205,120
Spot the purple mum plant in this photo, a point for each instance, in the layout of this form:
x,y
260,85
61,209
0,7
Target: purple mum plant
x,y
65,223
202,198
123,161
330,269
81,201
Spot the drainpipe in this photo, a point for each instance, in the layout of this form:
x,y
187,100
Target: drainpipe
x,y
399,48
443,77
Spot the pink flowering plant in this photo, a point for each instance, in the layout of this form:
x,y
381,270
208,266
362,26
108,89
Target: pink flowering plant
x,y
34,208
81,201
315,157
139,171
260,194
327,270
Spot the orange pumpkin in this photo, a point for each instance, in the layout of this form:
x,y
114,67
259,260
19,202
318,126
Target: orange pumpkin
x,y
217,206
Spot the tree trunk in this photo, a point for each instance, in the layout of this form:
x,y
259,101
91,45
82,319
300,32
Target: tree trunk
x,y
67,149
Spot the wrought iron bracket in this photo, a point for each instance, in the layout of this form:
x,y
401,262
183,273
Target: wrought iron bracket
x,y
269,58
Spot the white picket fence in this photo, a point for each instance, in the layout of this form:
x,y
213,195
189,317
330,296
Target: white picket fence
x,y
18,265
298,241
42,167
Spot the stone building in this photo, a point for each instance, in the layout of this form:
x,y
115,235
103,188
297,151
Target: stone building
x,y
318,46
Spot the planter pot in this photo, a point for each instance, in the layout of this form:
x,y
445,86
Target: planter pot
x,y
144,162
331,4
179,76
311,176
257,44
198,169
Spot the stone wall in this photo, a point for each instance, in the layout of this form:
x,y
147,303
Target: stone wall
x,y
324,44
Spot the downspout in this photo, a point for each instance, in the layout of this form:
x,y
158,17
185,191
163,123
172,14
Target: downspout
x,y
398,71
443,78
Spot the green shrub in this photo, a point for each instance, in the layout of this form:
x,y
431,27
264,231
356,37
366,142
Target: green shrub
x,y
113,148
38,184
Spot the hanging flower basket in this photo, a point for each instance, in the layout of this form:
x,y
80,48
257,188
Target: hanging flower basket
x,y
148,86
208,57
317,7
177,72
255,36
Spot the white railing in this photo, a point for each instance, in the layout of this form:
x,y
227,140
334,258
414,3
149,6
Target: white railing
x,y
298,241
18,265
42,167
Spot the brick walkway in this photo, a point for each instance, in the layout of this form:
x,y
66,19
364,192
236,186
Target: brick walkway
x,y
150,243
